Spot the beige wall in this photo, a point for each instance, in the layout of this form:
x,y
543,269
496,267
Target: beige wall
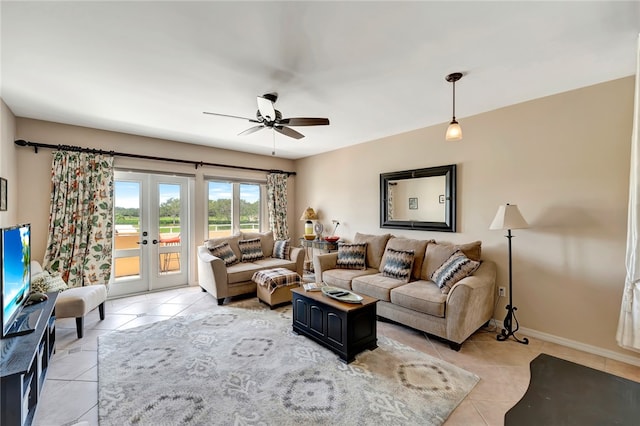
x,y
8,167
34,169
563,159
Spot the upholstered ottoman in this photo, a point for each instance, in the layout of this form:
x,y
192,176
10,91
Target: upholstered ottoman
x,y
79,301
273,286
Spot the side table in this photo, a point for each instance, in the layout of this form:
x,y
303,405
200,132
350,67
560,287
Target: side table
x,y
310,245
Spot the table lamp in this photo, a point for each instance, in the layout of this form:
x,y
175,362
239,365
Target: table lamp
x,y
309,215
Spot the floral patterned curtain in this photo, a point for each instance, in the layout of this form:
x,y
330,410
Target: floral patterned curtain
x,y
277,203
81,218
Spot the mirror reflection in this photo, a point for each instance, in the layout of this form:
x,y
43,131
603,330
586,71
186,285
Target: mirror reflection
x,y
421,199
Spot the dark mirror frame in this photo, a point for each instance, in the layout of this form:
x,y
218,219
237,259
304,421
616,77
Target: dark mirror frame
x,y
449,225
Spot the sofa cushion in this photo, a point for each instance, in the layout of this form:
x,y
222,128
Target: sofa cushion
x,y
375,247
281,249
457,267
438,253
420,296
342,277
376,285
419,248
266,240
242,272
232,240
352,256
251,249
398,264
44,282
274,262
224,252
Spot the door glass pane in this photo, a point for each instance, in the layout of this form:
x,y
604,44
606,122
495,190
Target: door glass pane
x,y
127,227
169,227
219,209
249,207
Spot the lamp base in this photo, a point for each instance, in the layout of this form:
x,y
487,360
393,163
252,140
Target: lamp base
x,y
508,330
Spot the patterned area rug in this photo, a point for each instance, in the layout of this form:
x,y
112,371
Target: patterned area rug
x,y
243,365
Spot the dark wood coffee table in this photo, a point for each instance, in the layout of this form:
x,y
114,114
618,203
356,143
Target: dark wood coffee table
x,y
345,328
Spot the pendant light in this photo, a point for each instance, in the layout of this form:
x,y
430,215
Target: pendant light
x,y
454,131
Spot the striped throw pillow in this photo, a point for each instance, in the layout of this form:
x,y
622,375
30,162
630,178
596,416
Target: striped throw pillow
x,y
224,252
352,256
281,249
455,268
398,264
251,249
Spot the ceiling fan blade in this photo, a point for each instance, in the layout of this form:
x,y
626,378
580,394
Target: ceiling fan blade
x,y
251,130
252,120
305,121
265,106
287,131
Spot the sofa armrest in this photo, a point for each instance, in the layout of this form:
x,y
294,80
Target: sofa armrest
x,y
297,255
324,262
212,273
470,302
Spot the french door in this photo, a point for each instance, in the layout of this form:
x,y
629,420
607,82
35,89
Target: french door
x,y
151,231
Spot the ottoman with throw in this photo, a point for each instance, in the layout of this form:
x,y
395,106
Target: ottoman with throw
x,y
273,286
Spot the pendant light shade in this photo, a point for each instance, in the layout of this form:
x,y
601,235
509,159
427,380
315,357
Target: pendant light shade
x,y
454,131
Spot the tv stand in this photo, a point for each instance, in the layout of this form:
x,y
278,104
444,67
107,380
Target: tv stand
x,y
24,360
25,323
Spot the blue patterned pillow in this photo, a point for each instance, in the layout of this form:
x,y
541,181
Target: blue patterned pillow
x,y
398,264
281,249
352,256
251,249
457,267
224,252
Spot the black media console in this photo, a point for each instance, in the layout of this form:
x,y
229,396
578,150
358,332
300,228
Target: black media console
x,y
24,360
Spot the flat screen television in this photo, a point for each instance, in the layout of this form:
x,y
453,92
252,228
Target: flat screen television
x,y
16,280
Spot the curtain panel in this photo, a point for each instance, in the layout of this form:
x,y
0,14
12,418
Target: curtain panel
x,y
277,204
81,218
628,334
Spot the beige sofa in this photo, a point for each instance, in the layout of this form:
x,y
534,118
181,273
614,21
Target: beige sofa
x,y
420,303
223,281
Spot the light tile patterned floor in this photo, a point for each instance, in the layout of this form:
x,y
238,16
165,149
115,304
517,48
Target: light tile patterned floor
x,y
71,390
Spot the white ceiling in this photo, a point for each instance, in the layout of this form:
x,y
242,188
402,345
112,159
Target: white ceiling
x,y
373,68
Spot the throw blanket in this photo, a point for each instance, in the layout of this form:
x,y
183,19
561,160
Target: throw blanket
x,y
277,277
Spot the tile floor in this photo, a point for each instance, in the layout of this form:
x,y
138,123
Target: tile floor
x,y
71,390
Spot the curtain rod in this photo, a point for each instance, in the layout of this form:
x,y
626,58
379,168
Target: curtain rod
x,y
36,145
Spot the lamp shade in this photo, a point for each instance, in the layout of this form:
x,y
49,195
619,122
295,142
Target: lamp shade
x,y
309,214
454,131
508,217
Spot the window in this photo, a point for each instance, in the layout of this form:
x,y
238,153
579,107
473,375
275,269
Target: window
x,y
234,206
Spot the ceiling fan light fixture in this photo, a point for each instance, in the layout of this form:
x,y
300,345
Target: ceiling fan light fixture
x,y
454,131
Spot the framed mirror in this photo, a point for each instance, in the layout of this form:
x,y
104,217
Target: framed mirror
x,y
420,199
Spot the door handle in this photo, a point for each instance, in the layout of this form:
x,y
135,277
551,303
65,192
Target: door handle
x,y
143,242
155,241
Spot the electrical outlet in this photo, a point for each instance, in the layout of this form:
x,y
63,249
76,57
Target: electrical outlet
x,y
502,291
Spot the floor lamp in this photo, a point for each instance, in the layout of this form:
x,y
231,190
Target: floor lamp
x,y
507,218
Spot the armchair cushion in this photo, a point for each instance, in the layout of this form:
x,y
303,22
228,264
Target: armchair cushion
x,y
281,249
398,264
352,256
457,267
224,252
251,249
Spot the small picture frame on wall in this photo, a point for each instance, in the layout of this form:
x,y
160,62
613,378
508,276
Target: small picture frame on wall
x,y
441,199
413,204
3,194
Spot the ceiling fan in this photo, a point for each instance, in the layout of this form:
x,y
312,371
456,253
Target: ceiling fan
x,y
269,117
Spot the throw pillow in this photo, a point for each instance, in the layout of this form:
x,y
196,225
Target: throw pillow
x,y
457,267
251,249
224,252
44,282
398,264
352,256
281,249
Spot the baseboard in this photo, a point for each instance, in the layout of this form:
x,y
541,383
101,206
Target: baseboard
x,y
628,359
